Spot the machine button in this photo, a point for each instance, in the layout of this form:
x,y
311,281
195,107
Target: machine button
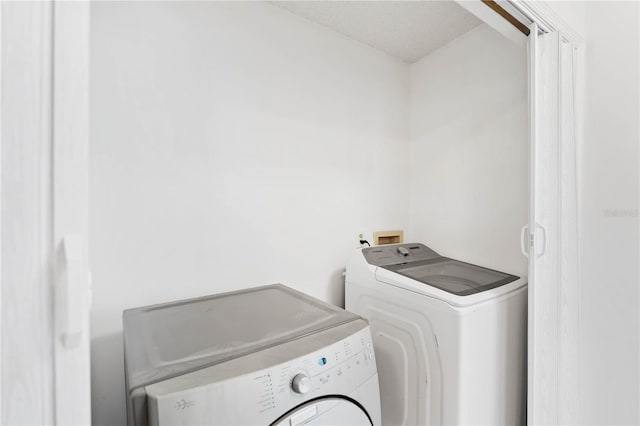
x,y
303,416
301,383
403,251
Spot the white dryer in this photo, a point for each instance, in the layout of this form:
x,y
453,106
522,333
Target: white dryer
x,y
450,337
264,356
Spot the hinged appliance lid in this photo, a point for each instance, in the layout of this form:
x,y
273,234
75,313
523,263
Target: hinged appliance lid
x,y
422,264
166,340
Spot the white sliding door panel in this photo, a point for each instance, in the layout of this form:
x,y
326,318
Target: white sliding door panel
x,y
526,240
70,213
27,353
553,292
569,310
44,138
544,229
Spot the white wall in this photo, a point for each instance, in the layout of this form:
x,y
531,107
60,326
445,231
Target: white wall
x,y
469,150
609,187
610,232
232,145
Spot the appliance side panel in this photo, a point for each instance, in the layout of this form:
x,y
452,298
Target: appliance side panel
x,y
415,334
493,362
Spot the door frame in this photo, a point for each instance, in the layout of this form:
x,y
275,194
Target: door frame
x,y
66,138
561,402
541,19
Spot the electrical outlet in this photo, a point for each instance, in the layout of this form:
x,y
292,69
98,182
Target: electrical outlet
x,y
364,236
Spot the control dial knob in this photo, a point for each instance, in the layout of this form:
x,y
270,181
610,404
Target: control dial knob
x,y
301,383
403,251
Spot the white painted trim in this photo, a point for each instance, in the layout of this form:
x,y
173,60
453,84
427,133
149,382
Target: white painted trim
x,y
515,12
495,21
527,12
70,213
1,282
579,95
542,14
569,292
531,329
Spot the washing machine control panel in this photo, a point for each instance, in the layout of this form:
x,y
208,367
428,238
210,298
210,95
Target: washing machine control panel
x,y
394,254
260,397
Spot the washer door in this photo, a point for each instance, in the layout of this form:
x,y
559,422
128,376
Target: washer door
x,y
326,411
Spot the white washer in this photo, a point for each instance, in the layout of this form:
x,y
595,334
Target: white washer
x,y
450,337
264,356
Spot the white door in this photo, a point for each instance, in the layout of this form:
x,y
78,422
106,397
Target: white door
x,y
552,234
44,139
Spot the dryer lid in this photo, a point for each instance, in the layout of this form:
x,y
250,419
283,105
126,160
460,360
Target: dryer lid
x,y
167,340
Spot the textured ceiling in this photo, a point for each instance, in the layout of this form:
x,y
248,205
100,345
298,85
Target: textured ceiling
x,y
408,30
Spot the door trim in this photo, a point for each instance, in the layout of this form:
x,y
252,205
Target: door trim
x,y
543,19
553,376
